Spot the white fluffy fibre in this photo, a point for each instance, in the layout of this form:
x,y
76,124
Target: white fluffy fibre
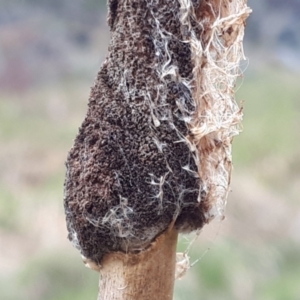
x,y
216,57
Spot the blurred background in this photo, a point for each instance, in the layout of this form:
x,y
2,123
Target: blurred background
x,y
50,53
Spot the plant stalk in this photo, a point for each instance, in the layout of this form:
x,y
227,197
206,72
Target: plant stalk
x,y
147,275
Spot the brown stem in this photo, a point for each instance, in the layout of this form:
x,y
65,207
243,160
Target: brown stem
x,y
147,275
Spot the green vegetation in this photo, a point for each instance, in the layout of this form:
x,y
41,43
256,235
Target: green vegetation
x,y
271,116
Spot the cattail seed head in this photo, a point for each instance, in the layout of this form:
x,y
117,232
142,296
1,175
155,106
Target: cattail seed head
x,y
155,145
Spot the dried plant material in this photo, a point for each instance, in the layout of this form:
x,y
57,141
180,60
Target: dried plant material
x,y
182,264
155,146
216,45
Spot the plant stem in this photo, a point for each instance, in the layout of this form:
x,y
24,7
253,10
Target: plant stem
x,y
147,275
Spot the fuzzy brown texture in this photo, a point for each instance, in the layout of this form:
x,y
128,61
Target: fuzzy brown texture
x,y
134,167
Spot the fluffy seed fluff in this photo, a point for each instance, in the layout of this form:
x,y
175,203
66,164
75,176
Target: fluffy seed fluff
x,y
155,146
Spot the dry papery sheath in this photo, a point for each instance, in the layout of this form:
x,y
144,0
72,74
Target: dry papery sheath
x,y
155,146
